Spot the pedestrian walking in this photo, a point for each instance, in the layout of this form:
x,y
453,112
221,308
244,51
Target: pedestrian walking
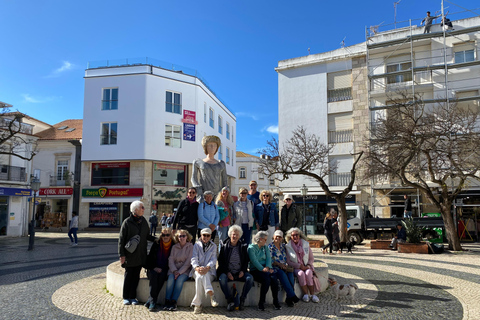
x,y
153,223
73,229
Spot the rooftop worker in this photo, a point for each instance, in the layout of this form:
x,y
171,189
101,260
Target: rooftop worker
x,y
428,22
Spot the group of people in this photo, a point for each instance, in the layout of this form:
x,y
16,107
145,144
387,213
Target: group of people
x,y
428,20
165,221
176,256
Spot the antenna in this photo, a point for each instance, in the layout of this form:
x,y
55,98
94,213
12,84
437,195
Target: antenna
x,y
342,44
395,4
308,51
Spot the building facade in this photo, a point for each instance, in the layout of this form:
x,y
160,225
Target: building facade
x,y
143,126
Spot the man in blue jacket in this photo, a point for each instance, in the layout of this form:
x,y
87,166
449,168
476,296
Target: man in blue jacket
x,y
401,237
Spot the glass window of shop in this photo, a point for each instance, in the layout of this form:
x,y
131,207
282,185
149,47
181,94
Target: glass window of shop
x,y
111,173
52,213
169,174
3,216
104,214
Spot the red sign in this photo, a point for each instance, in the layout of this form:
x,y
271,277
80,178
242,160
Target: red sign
x,y
189,117
55,191
102,165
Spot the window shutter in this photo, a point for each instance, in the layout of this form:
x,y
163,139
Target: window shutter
x,y
339,80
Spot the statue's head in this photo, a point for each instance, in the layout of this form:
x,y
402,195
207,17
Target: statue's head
x,y
210,139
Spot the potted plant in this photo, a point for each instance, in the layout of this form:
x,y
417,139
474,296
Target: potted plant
x,y
414,242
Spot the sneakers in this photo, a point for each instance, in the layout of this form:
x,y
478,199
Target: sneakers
x,y
74,244
315,299
197,309
167,305
213,301
173,305
276,305
126,302
241,306
261,306
135,302
289,302
306,298
151,307
231,306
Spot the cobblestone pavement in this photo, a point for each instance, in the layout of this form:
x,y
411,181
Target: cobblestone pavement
x,y
58,282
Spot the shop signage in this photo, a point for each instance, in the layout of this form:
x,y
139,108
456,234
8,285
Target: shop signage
x,y
189,117
113,192
109,165
188,132
55,191
15,192
322,199
162,166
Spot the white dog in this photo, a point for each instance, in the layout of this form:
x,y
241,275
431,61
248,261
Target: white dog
x,y
343,289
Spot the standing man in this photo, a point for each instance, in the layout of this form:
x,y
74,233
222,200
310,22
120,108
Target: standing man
x,y
253,195
163,221
73,229
428,22
153,223
290,216
407,213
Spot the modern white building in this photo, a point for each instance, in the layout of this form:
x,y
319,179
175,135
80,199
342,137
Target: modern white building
x,y
247,170
142,129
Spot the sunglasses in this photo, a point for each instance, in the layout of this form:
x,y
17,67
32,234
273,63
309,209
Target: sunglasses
x,y
206,235
191,192
166,235
252,185
142,207
243,193
294,235
182,236
288,199
266,195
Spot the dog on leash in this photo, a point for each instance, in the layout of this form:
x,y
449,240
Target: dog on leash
x,y
347,245
342,290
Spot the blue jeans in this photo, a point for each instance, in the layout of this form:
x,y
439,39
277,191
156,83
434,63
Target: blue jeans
x,y
247,233
174,287
408,214
153,229
74,232
222,234
287,280
247,278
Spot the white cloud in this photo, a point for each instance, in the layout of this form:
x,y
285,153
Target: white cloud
x,y
65,67
246,115
28,98
273,129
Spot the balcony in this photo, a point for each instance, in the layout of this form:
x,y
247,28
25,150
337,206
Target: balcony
x,y
59,183
340,94
340,179
11,173
341,136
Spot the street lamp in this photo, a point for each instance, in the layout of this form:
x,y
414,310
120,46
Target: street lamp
x,y
35,185
304,191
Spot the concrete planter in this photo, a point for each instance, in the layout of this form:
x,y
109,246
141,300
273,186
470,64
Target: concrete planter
x,y
316,243
413,248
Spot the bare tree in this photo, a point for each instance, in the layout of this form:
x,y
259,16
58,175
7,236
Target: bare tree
x,y
15,138
305,154
432,148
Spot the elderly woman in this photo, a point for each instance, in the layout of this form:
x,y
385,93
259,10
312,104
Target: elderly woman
x,y
243,209
225,200
157,266
279,263
133,262
300,257
266,215
209,173
232,266
179,267
290,215
204,260
208,215
261,269
186,217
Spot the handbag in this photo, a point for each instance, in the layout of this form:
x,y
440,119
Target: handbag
x,y
132,244
290,269
317,287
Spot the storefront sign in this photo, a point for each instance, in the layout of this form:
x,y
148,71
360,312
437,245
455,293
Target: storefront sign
x,y
322,199
108,165
16,192
113,192
55,191
188,132
189,117
103,215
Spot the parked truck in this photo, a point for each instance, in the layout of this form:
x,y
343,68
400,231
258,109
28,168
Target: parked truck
x,y
361,227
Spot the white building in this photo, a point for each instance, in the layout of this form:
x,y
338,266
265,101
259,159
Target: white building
x,y
15,173
143,125
57,166
247,170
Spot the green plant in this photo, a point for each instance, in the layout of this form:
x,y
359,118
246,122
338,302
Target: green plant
x,y
413,231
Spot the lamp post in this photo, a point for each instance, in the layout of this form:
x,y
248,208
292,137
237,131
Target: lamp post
x,y
304,191
35,185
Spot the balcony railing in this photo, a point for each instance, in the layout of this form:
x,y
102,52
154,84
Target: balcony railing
x,y
340,136
11,173
340,94
59,183
24,127
339,179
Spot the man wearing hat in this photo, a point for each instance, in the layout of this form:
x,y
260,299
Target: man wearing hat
x,y
290,216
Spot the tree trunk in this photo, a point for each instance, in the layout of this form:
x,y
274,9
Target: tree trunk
x,y
342,218
452,236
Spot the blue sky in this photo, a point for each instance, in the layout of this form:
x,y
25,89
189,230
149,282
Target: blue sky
x,y
235,45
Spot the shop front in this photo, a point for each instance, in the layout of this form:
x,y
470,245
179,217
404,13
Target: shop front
x,y
13,211
467,207
169,186
108,207
54,207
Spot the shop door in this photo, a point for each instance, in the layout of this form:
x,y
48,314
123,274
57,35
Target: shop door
x,y
3,216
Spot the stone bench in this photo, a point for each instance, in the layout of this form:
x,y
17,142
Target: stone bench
x,y
380,244
115,275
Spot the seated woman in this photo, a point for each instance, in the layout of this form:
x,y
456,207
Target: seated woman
x,y
179,267
261,269
204,260
232,266
279,263
300,257
157,266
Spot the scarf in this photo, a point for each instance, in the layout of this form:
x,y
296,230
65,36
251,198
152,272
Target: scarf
x,y
163,253
206,245
191,201
298,248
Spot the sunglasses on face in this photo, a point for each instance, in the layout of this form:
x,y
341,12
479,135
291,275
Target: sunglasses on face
x,y
182,236
266,196
243,193
288,199
206,235
166,235
190,192
142,208
294,235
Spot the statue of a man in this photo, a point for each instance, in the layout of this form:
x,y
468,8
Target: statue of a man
x,y
209,174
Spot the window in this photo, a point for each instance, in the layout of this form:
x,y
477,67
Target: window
x,y
464,52
220,154
173,136
205,112
109,133
111,173
272,182
466,102
227,157
228,131
173,102
110,99
339,85
233,130
212,121
169,174
62,169
243,173
404,77
220,125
